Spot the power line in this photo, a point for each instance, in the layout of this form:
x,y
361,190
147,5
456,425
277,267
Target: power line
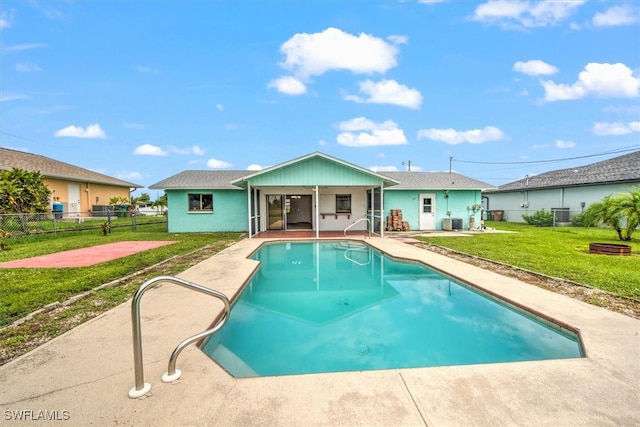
x,y
622,150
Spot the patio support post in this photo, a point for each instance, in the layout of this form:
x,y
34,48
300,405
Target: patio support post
x,y
317,213
249,209
381,209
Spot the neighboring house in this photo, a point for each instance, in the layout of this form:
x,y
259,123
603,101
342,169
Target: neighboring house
x,y
318,192
565,191
75,191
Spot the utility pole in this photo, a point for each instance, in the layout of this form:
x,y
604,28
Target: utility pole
x,y
450,161
409,164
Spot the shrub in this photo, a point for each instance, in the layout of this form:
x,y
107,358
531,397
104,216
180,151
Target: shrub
x,y
578,220
541,218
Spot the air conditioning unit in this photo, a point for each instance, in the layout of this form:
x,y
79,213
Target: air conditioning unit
x,y
456,223
446,224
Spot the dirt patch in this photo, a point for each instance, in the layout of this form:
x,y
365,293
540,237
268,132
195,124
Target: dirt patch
x,y
598,297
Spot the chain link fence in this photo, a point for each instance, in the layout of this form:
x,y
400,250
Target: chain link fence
x,y
18,225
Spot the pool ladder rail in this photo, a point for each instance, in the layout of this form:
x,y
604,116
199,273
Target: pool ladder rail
x,y
141,388
356,222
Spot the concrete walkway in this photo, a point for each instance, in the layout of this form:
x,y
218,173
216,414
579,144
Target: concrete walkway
x,y
83,377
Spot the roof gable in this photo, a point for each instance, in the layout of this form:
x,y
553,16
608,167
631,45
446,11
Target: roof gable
x,y
315,169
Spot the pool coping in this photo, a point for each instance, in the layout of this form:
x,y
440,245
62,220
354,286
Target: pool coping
x,y
86,373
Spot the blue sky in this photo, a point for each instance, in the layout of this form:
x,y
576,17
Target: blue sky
x,y
141,90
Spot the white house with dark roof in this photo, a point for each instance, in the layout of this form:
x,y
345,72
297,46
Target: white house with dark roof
x,y
564,191
77,191
321,193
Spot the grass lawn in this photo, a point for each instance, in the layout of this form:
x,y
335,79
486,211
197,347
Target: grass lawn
x,y
24,290
559,252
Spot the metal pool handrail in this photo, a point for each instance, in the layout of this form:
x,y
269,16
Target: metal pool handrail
x,y
360,220
141,388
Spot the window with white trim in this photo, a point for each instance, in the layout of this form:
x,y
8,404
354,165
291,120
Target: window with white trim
x,y
200,202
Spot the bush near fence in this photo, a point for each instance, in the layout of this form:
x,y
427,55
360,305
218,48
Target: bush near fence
x,y
18,225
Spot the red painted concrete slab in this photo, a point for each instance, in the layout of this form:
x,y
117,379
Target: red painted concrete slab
x,y
86,256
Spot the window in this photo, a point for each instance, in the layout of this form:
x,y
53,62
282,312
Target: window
x,y
200,202
343,203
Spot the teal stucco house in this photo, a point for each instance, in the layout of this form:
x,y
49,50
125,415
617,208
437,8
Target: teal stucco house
x,y
320,193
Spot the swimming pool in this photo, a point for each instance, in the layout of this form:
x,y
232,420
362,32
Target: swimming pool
x,y
330,306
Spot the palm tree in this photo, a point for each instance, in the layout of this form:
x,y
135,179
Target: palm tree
x,y
620,212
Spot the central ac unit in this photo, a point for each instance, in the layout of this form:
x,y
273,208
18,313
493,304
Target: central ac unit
x,y
446,224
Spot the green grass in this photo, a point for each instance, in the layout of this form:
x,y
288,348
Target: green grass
x,y
24,290
559,252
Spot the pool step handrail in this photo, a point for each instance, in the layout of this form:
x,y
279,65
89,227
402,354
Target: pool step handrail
x,y
363,249
360,220
141,388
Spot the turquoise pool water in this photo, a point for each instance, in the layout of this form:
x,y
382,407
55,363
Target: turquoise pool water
x,y
338,306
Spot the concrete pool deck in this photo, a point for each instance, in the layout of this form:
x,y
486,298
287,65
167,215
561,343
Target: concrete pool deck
x,y
83,377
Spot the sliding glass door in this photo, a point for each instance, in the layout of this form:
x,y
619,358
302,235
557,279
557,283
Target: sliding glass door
x,y
275,207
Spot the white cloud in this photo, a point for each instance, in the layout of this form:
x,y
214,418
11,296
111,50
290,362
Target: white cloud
x,y
288,85
322,143
254,167
398,39
601,80
145,69
27,67
452,136
219,107
91,131
617,128
195,149
534,67
387,92
129,175
333,49
218,164
22,47
149,150
383,168
565,144
362,132
4,97
616,16
527,14
5,20
622,109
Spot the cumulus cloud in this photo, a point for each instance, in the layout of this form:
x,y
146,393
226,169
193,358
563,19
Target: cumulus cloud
x,y
525,14
616,16
91,131
149,150
398,39
288,85
333,49
362,132
565,144
534,67
452,136
254,167
6,20
601,80
617,128
218,164
387,92
383,168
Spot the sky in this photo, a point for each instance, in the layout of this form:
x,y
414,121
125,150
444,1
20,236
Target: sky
x,y
494,90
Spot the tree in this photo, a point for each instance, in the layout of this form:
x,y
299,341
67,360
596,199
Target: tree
x,y
23,191
620,212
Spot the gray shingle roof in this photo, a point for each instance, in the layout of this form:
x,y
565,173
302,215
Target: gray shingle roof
x,y
620,169
435,181
51,168
202,179
221,179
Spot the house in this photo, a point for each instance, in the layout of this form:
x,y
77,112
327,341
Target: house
x,y
565,191
321,193
75,191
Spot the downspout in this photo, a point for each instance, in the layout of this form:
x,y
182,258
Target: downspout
x,y
317,213
249,208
